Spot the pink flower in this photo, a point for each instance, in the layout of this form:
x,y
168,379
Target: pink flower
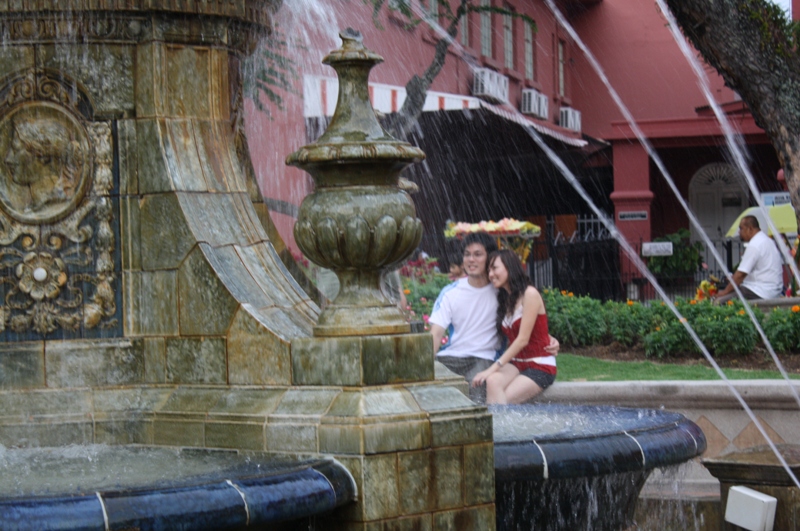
x,y
425,317
444,341
423,299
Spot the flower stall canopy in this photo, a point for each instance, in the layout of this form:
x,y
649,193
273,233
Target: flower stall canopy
x,y
510,233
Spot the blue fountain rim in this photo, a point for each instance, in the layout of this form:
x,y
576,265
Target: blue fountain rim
x,y
638,440
283,492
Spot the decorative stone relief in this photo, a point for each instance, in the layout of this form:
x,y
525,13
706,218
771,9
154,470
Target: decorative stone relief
x,y
57,233
120,28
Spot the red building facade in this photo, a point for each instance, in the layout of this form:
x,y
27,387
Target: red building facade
x,y
579,121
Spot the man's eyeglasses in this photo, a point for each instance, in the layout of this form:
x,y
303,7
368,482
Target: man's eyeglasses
x,y
473,255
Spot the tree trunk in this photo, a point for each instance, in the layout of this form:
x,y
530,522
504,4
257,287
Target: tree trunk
x,y
749,46
417,87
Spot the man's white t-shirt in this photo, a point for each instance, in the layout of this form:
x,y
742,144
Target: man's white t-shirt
x,y
469,315
764,267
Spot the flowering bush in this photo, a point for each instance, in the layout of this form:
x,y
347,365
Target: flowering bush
x,y
422,283
707,289
628,322
782,328
724,330
576,321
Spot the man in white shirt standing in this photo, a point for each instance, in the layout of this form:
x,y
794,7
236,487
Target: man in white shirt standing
x,y
467,309
760,273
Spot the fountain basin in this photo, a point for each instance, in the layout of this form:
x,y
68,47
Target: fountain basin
x,y
582,467
124,487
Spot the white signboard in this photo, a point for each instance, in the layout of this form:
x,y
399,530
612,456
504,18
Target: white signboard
x,y
776,198
657,249
633,215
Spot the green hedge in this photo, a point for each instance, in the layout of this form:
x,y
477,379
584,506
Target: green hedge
x,y
724,330
582,321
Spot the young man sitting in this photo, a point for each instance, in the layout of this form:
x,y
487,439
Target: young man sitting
x,y
467,308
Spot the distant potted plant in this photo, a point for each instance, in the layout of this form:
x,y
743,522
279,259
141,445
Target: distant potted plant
x,y
685,261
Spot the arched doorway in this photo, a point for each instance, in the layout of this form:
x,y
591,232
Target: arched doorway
x,y
717,198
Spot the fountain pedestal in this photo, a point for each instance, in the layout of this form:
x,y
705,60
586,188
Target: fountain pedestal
x,y
144,299
421,453
759,469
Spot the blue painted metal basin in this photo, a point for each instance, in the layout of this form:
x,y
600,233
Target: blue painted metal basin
x,y
90,488
560,467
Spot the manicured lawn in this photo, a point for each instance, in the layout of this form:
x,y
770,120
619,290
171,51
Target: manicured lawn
x,y
572,368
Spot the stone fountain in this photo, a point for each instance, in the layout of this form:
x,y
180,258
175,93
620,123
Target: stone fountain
x,y
145,299
152,333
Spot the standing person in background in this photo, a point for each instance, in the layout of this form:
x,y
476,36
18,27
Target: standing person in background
x,y
456,269
525,369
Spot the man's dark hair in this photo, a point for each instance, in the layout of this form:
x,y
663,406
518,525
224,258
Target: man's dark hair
x,y
482,238
751,221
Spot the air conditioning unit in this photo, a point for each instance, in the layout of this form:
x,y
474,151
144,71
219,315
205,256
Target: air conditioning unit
x,y
570,118
490,85
535,103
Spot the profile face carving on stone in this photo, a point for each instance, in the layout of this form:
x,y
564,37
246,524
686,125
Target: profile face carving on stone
x,y
45,163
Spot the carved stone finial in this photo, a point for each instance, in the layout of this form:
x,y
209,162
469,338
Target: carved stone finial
x,y
351,38
358,222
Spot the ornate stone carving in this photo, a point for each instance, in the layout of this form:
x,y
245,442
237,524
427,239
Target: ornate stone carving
x,y
239,33
46,166
57,260
120,28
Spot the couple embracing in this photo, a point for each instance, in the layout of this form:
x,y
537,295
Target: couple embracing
x,y
495,299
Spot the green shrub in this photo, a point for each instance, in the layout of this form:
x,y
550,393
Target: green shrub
x,y
725,330
685,259
669,338
574,321
782,328
627,322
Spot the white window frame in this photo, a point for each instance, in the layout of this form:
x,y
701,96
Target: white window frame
x,y
486,30
508,40
530,73
395,4
464,30
560,66
433,10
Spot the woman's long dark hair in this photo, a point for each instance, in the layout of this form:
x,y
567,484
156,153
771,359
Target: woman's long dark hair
x,y
518,282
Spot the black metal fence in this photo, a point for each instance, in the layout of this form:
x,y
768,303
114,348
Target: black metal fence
x,y
598,269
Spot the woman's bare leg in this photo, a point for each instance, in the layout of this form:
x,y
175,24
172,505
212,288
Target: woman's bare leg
x,y
496,384
521,389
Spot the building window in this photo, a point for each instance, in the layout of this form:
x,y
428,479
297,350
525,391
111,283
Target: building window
x,y
433,10
464,29
530,72
400,5
508,39
486,30
560,74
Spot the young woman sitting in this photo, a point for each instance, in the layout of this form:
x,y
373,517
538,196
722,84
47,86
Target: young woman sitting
x,y
525,369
